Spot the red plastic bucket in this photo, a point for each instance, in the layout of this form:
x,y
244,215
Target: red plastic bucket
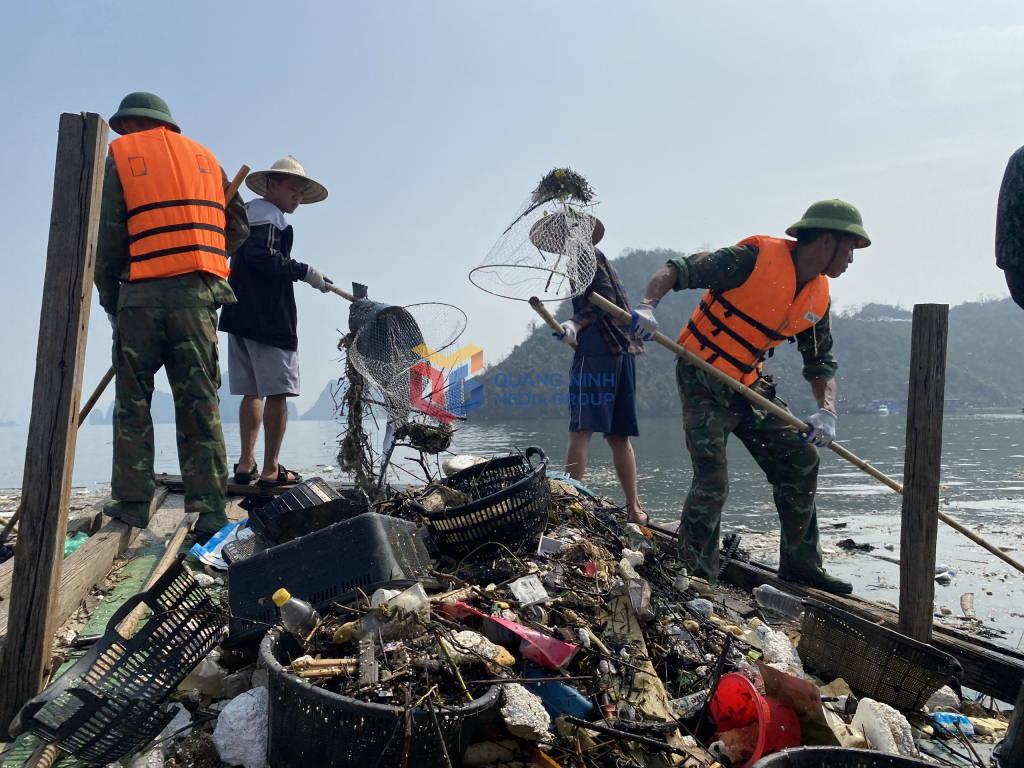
x,y
737,704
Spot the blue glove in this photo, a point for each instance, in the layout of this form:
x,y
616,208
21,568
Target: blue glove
x,y
823,428
643,325
568,335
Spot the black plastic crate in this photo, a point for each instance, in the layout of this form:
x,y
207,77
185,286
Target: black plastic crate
x,y
111,701
324,566
311,726
874,661
508,512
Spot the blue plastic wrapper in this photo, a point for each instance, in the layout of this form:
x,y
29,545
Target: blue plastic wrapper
x,y
947,722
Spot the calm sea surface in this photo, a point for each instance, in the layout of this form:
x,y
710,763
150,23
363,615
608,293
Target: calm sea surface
x,y
983,487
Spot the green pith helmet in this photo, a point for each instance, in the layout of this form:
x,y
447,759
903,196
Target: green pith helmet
x,y
836,216
142,104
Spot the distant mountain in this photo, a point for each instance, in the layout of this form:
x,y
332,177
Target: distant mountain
x,y
327,405
872,343
162,408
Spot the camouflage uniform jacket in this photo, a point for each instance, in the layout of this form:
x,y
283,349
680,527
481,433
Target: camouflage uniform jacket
x,y
195,289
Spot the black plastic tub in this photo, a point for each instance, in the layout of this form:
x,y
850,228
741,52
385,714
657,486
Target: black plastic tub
x,y
311,726
835,757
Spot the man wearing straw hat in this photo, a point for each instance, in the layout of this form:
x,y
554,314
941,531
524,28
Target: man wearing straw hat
x,y
164,235
263,342
759,293
602,379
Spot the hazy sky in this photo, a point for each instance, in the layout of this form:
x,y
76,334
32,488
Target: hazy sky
x,y
430,122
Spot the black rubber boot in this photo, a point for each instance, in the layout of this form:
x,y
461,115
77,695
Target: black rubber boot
x,y
819,579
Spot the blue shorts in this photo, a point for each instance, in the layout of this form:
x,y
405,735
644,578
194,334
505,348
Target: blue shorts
x,y
602,389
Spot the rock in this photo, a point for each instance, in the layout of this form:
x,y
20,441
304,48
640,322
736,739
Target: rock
x,y
886,729
701,608
152,759
203,580
524,713
181,719
988,726
944,697
946,610
241,733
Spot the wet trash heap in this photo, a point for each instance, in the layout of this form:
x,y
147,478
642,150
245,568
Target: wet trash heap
x,y
575,640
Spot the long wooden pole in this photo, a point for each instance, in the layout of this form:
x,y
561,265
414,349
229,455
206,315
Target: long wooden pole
x,y
625,317
50,455
548,318
922,470
127,628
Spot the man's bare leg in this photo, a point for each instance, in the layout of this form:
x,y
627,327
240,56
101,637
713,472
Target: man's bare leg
x,y
625,468
250,415
576,455
275,421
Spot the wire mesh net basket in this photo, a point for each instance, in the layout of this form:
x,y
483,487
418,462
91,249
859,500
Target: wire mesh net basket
x,y
111,701
548,249
390,340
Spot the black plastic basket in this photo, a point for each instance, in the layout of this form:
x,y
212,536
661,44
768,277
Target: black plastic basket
x,y
324,566
874,661
835,757
510,507
311,726
111,701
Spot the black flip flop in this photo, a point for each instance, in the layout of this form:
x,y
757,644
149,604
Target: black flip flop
x,y
246,478
282,479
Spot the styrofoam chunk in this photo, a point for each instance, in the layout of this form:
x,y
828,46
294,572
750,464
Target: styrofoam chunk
x,y
241,733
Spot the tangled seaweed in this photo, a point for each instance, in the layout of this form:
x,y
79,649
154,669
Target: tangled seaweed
x,y
354,452
426,438
562,183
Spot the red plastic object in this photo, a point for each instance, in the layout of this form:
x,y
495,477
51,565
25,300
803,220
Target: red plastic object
x,y
534,645
590,569
738,704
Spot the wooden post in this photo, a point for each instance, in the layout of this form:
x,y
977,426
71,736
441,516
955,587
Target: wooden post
x,y
1013,744
50,456
922,467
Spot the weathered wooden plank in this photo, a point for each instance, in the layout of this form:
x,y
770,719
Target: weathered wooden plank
x,y
89,565
50,455
922,470
991,669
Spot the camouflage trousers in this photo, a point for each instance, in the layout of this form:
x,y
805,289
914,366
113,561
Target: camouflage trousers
x,y
711,412
182,340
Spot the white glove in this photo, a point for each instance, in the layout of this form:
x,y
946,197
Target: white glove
x,y
644,325
823,428
113,321
568,335
317,279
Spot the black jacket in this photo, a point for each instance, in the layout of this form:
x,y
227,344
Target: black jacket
x,y
262,274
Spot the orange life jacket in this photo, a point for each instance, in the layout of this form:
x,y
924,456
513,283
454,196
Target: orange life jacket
x,y
174,193
734,329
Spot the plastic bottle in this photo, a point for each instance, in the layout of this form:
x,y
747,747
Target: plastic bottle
x,y
688,705
769,597
297,615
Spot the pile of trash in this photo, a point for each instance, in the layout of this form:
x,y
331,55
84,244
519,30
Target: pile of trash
x,y
585,645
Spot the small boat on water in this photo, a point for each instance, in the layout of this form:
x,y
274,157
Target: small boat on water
x,y
883,410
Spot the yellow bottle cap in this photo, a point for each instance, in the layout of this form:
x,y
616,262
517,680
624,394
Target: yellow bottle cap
x,y
281,597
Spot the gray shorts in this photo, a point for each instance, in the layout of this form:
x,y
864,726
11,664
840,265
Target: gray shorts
x,y
261,370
